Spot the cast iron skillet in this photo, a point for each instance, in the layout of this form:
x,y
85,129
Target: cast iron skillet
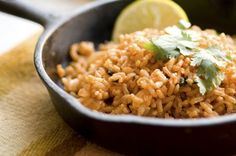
x,y
123,133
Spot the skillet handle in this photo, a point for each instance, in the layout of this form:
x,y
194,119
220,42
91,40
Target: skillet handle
x,y
25,10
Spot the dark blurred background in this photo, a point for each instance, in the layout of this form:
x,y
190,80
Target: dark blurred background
x,y
217,14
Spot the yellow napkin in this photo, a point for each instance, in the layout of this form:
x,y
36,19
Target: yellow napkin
x,y
29,124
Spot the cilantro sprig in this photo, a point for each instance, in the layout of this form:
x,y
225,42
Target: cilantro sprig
x,y
208,74
180,40
177,41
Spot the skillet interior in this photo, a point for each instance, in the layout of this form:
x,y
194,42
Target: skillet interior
x,y
96,25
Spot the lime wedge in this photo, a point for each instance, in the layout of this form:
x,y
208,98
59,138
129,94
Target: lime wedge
x,y
143,14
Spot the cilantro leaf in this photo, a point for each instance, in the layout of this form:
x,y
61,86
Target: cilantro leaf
x,y
186,36
217,53
172,45
164,50
166,54
180,40
203,85
187,44
212,54
202,55
207,69
209,75
175,44
166,42
195,36
184,51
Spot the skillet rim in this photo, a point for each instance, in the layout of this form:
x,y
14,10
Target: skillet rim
x,y
80,108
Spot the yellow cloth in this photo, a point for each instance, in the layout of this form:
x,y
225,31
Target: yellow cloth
x,y
29,124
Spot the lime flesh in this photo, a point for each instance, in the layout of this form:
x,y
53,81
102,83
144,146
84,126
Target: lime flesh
x,y
143,14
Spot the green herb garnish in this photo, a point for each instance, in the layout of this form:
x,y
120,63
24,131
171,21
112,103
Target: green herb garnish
x,y
180,40
211,54
208,74
173,44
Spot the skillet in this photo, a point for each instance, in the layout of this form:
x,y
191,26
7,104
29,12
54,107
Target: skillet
x,y
124,133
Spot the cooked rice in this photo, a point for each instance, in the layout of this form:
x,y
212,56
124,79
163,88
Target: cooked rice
x,y
125,78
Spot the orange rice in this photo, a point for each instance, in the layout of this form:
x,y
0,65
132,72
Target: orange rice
x,y
125,78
